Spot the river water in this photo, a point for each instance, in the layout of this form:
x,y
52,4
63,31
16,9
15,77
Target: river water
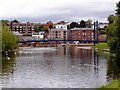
x,y
61,67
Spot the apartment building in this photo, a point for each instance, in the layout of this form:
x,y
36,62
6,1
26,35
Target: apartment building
x,y
87,34
25,29
58,34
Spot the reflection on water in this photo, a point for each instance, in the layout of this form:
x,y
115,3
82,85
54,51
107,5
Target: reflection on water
x,y
57,68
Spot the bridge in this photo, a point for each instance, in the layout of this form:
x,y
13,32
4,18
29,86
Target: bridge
x,y
53,40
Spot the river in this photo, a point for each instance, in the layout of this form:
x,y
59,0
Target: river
x,y
60,67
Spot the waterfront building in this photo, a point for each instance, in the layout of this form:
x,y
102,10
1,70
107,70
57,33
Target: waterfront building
x,y
83,34
58,34
25,29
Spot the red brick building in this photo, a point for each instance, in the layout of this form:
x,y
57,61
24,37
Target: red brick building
x,y
83,34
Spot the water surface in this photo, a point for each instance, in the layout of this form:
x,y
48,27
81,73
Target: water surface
x,y
61,67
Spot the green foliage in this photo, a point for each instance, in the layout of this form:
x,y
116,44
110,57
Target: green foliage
x,y
36,28
113,33
82,24
114,84
5,21
118,8
44,29
111,18
89,23
15,21
101,46
102,30
113,36
74,25
9,41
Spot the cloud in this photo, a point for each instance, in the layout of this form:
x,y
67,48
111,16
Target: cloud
x,y
27,10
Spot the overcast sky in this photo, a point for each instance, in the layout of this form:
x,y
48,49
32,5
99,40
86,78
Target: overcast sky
x,y
56,10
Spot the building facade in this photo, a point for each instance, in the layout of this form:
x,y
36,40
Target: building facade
x,y
25,29
85,34
38,35
58,34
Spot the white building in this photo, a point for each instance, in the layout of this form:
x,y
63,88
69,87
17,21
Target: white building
x,y
62,26
39,35
59,26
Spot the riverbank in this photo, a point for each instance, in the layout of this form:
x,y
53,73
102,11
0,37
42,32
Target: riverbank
x,y
114,84
102,46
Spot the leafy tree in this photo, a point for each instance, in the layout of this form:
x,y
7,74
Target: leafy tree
x,y
118,8
73,25
45,29
89,23
68,27
5,21
82,24
113,34
36,28
50,27
15,21
111,18
9,40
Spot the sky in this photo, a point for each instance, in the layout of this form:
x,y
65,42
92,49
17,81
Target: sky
x,y
56,10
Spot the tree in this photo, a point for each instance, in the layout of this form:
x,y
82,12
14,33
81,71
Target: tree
x,y
111,18
82,24
117,29
50,27
15,21
5,21
118,8
113,34
89,23
45,29
36,28
9,40
73,25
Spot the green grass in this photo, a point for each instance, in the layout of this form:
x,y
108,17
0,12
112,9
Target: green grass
x,y
114,84
101,46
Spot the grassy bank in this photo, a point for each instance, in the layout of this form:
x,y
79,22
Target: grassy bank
x,y
114,84
101,46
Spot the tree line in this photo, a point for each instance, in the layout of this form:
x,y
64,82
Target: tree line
x,y
82,24
113,33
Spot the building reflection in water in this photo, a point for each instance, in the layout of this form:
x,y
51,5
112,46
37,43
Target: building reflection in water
x,y
80,56
83,57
